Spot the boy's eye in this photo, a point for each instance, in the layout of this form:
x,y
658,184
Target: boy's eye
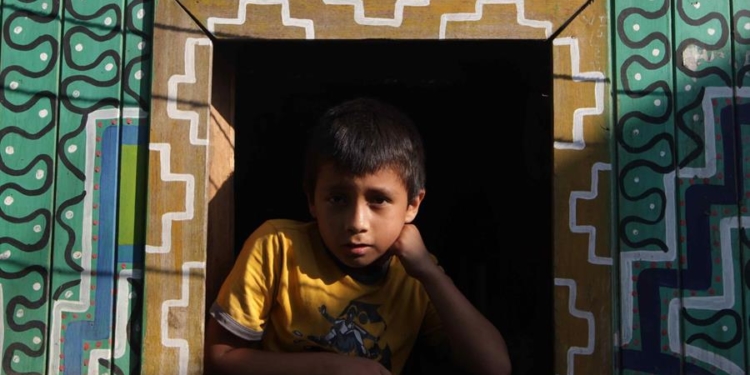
x,y
380,200
336,199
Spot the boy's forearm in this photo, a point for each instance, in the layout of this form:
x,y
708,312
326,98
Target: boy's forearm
x,y
246,361
227,354
474,340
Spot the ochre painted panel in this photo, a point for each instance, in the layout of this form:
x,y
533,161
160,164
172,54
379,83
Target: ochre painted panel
x,y
176,232
359,19
583,259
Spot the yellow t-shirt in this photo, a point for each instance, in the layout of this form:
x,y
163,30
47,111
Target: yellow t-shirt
x,y
287,291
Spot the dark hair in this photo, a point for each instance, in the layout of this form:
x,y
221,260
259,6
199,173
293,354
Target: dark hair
x,y
362,136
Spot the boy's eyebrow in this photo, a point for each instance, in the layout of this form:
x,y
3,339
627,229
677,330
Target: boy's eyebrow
x,y
338,185
341,185
380,190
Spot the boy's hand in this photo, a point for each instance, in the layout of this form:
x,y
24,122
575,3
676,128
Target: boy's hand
x,y
412,252
347,365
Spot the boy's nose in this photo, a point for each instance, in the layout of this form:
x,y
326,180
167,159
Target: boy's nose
x,y
358,218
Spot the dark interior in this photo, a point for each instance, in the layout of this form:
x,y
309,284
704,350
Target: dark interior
x,y
484,111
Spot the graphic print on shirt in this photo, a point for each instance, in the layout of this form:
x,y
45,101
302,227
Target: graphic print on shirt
x,y
356,330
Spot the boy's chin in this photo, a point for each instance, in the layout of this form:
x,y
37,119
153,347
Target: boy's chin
x,y
366,264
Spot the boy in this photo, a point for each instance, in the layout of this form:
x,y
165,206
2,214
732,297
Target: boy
x,y
356,281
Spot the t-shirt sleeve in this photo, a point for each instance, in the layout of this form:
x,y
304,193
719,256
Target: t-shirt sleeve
x,y
245,299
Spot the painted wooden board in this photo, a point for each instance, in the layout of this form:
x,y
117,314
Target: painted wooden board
x,y
581,184
680,268
101,149
78,48
129,265
644,136
359,19
177,207
681,83
739,25
29,71
87,186
712,312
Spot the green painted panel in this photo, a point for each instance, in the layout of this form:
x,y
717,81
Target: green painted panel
x,y
29,68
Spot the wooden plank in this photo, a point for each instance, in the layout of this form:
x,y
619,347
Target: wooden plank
x,y
29,72
127,338
87,187
581,184
711,334
177,207
739,25
646,201
357,19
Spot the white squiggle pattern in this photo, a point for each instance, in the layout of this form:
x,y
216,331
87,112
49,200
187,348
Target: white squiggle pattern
x,y
588,229
398,13
181,344
82,304
188,77
165,151
627,258
477,15
577,350
579,142
286,18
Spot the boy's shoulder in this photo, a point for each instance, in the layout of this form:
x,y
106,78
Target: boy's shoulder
x,y
286,228
289,224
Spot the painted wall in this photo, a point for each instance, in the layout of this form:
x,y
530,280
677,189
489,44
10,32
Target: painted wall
x,y
682,147
74,103
104,191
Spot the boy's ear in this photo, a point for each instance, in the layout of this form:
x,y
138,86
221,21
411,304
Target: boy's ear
x,y
311,205
413,208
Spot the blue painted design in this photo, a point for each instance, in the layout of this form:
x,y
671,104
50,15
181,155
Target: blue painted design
x,y
101,327
134,135
130,254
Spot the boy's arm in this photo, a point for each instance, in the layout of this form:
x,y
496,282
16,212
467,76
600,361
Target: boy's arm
x,y
228,354
474,341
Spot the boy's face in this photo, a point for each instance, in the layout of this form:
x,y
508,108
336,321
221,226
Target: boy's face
x,y
360,217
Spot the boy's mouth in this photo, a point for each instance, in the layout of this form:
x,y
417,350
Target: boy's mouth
x,y
356,248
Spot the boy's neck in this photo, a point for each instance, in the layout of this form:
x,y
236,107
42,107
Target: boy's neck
x,y
366,275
